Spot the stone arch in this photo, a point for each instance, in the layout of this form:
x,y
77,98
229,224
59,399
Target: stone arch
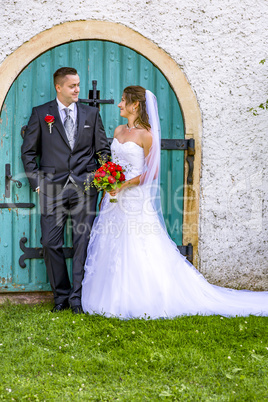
x,y
118,33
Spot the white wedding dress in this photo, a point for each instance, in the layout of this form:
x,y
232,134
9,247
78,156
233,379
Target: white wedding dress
x,y
133,268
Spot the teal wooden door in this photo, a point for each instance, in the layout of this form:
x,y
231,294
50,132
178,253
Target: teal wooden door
x,y
114,67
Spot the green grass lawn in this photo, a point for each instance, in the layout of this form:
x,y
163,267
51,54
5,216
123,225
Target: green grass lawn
x,y
63,357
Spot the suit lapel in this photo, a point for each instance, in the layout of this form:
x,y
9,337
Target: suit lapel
x,y
81,116
53,110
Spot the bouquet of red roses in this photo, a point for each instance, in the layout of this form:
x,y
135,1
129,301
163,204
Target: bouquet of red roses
x,y
109,177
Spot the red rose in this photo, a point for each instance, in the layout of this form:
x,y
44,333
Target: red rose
x,y
111,180
111,168
114,173
102,174
122,177
118,168
49,119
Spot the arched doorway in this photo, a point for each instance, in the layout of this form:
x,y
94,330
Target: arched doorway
x,y
114,66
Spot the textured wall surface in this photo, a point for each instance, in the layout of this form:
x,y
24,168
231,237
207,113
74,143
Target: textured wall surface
x,y
218,44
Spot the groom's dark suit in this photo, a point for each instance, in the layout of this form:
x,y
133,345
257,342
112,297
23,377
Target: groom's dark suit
x,y
60,174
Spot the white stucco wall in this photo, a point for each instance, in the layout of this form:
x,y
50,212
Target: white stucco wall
x,y
218,44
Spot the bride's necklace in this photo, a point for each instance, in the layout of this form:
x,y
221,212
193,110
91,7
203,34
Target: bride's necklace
x,y
130,128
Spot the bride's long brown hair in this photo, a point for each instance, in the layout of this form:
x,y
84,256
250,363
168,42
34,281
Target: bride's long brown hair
x,y
133,94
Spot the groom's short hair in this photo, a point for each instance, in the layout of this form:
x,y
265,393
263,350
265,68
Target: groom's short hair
x,y
61,73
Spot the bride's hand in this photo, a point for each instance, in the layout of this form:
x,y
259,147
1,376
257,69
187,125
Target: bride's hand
x,y
114,192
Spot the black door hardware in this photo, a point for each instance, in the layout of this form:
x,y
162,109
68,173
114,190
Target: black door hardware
x,y
8,179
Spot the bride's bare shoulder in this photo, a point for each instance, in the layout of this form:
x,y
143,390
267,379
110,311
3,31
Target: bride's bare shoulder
x,y
146,137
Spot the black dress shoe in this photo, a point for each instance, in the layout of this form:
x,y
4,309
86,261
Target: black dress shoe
x,y
77,310
60,307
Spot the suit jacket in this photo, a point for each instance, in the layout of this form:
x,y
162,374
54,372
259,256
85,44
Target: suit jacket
x,y
57,160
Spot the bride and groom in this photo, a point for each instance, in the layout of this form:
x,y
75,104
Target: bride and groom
x,y
140,272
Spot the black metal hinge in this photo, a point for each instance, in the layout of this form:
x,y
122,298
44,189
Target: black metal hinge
x,y
187,251
17,205
37,252
185,145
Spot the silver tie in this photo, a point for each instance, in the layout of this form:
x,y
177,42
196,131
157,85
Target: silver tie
x,y
69,127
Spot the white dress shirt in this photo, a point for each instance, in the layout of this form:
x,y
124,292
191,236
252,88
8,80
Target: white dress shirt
x,y
73,111
73,114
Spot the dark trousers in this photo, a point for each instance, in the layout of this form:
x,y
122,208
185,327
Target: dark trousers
x,y
54,213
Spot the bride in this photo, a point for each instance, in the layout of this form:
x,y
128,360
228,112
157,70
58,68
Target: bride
x,y
133,268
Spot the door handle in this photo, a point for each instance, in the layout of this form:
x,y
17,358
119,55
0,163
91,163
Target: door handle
x,y
8,179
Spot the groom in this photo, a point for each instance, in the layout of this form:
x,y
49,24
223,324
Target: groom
x,y
67,136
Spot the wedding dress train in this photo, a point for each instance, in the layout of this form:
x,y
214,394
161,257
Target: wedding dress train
x,y
133,268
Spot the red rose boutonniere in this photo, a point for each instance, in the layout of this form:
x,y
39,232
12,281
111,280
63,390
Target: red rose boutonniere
x,y
49,120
